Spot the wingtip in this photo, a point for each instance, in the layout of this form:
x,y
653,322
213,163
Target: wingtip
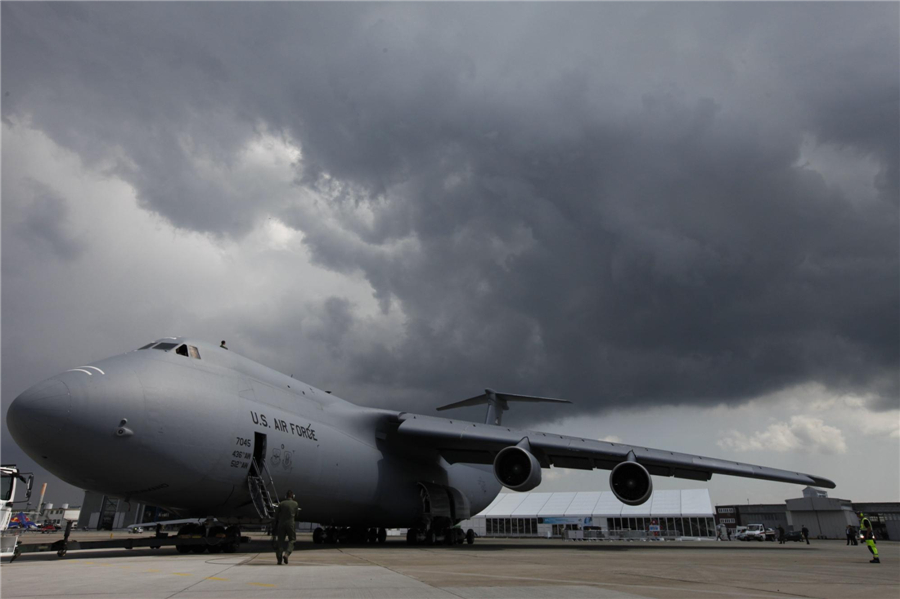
x,y
824,482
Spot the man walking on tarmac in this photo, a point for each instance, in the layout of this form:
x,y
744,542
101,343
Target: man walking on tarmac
x,y
285,514
865,527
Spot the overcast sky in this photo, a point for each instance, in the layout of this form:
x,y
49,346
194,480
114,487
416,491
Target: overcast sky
x,y
683,217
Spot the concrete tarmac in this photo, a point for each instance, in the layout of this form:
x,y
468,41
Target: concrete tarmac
x,y
489,569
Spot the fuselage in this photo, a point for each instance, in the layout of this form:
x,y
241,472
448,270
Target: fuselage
x,y
181,431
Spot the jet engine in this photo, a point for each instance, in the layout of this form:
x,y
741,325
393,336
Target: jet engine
x,y
517,469
630,483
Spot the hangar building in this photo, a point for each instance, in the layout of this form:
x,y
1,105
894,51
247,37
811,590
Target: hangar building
x,y
825,517
684,513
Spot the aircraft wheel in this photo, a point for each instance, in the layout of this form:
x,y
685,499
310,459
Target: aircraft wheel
x,y
232,538
356,536
470,536
184,532
193,531
429,537
318,536
411,536
382,536
372,536
218,536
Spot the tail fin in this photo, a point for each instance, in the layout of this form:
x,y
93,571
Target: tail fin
x,y
498,403
24,522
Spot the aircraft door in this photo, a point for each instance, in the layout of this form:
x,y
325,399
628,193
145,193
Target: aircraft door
x,y
259,453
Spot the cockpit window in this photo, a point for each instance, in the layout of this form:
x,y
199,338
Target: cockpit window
x,y
188,350
165,346
148,345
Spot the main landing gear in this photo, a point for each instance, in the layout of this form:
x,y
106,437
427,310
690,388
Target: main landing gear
x,y
447,536
350,536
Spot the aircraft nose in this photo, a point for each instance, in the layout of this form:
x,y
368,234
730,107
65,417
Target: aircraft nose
x,y
38,416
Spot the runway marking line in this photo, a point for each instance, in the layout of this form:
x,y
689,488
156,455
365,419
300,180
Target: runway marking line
x,y
261,584
181,574
215,578
151,570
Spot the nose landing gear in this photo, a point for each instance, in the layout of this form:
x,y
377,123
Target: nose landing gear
x,y
217,539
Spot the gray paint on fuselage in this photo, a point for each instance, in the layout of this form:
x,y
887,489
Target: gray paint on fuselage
x,y
192,421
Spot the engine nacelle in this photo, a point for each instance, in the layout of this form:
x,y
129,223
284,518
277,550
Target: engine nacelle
x,y
630,483
517,469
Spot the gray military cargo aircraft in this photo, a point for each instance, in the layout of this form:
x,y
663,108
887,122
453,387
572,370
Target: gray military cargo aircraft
x,y
205,432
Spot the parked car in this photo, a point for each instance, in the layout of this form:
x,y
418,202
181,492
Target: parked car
x,y
49,527
793,535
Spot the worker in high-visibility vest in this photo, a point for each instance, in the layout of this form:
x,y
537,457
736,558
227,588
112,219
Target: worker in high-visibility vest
x,y
865,529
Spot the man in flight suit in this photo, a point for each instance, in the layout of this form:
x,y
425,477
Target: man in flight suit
x,y
865,527
285,514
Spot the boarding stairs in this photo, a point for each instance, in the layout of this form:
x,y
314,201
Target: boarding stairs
x,y
262,488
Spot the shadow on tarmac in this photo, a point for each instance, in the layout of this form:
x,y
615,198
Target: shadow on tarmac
x,y
258,546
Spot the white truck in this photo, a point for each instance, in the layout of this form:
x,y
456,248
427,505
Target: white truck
x,y
10,477
757,532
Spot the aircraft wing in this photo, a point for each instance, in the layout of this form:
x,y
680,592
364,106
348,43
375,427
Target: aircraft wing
x,y
473,443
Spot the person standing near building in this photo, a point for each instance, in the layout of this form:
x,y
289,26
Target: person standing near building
x,y
780,534
849,533
865,527
285,516
805,532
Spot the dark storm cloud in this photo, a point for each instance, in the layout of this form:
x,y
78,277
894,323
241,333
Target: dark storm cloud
x,y
604,202
42,224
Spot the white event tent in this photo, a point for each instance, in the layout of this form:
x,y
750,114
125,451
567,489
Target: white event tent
x,y
686,513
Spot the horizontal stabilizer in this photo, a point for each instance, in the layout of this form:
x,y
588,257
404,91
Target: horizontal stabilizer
x,y
497,403
485,398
